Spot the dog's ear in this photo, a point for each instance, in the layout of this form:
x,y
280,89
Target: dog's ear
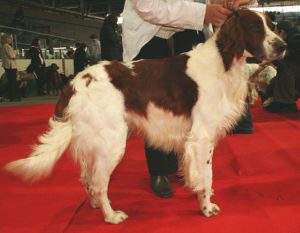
x,y
230,39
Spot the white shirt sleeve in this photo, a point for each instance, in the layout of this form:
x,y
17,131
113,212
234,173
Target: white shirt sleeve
x,y
175,13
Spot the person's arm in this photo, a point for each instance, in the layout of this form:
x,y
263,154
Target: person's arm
x,y
179,14
11,54
88,51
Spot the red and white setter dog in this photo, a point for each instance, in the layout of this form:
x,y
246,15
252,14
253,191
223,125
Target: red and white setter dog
x,y
183,104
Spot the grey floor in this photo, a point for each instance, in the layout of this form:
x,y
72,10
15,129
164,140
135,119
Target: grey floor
x,y
30,101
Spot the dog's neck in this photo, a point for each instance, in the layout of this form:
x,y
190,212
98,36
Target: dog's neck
x,y
227,59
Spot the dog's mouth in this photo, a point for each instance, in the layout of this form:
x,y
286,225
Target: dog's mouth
x,y
272,57
276,56
281,56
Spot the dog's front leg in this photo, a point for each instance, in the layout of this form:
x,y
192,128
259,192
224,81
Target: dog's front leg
x,y
198,169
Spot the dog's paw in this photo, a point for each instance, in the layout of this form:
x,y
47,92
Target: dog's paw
x,y
210,210
116,217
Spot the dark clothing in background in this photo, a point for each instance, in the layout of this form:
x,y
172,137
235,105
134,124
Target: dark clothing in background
x,y
282,87
111,45
37,59
155,48
184,41
11,75
80,60
37,65
285,87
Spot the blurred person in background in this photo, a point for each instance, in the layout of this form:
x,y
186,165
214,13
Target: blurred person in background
x,y
80,58
284,89
37,65
94,50
111,42
9,63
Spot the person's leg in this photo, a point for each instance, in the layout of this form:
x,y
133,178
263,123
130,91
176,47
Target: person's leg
x,y
40,81
11,75
15,85
282,91
9,84
160,164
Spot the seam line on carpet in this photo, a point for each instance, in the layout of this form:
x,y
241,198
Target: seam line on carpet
x,y
74,215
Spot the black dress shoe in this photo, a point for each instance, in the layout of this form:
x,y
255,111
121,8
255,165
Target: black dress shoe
x,y
161,186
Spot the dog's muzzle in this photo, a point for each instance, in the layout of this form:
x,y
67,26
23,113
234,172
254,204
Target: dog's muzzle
x,y
279,47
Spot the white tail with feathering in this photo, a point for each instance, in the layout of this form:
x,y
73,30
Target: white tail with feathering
x,y
44,156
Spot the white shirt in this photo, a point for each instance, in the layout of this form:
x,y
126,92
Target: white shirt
x,y
144,19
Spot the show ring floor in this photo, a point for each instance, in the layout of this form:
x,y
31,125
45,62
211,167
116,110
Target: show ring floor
x,y
256,183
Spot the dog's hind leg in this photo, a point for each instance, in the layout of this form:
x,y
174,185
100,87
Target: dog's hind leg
x,y
198,170
99,180
97,166
85,179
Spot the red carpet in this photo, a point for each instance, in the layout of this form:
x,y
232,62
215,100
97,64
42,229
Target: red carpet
x,y
256,182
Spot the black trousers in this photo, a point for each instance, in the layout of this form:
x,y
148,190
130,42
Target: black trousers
x,y
11,75
245,123
41,80
160,163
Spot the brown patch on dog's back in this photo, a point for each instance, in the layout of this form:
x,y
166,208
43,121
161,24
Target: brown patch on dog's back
x,y
160,81
63,101
88,78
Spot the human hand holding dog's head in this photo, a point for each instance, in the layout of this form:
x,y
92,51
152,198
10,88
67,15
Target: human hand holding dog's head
x,y
216,14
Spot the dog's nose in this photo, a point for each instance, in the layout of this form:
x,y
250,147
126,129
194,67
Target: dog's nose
x,y
280,46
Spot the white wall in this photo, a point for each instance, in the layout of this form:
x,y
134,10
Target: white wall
x,y
23,63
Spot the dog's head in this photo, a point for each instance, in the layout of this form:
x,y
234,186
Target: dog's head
x,y
248,33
